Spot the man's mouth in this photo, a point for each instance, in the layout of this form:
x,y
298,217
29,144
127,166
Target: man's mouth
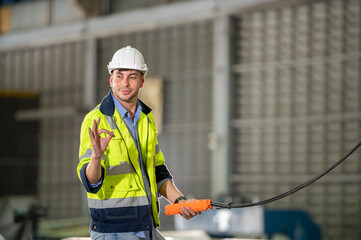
x,y
125,91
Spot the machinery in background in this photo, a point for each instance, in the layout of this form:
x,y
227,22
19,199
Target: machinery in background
x,y
19,217
294,223
253,222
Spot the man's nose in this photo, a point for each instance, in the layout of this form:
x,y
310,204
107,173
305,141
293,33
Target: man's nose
x,y
125,81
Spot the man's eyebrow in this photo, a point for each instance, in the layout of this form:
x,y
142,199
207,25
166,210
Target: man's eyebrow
x,y
132,73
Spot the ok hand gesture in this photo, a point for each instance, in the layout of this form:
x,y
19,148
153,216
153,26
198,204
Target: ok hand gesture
x,y
98,143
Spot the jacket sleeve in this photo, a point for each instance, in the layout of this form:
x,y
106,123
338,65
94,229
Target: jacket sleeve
x,y
85,152
161,171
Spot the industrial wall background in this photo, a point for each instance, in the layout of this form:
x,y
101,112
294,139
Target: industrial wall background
x,y
258,96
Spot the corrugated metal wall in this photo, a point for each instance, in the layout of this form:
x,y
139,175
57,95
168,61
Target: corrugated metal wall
x,y
128,5
55,73
121,6
62,67
64,11
41,13
297,109
23,12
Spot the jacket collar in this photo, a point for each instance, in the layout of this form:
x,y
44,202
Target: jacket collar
x,y
107,106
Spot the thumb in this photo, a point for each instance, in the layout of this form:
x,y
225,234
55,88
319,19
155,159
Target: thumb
x,y
109,137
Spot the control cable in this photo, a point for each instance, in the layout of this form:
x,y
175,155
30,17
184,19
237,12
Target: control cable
x,y
202,205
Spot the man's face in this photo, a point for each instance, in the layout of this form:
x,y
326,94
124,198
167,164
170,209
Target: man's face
x,y
126,84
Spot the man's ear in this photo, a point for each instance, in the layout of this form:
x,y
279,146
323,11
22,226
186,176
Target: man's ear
x,y
142,81
111,80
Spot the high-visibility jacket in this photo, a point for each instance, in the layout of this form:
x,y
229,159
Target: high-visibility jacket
x,y
120,203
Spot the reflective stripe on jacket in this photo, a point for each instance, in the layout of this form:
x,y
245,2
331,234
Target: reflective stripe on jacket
x,y
120,202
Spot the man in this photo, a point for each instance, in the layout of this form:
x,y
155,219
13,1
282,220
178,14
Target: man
x,y
121,165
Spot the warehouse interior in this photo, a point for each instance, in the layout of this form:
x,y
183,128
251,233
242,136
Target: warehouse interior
x,y
253,97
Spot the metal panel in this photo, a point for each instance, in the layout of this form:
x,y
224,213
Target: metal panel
x,y
121,6
286,31
318,32
52,72
60,134
65,11
297,87
4,70
222,81
28,15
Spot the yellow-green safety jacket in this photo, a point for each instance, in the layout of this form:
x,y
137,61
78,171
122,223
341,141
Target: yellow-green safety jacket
x,y
120,202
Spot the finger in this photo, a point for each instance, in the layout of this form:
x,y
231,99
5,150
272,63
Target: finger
x,y
190,212
184,216
95,131
94,126
110,136
98,121
184,212
91,136
105,131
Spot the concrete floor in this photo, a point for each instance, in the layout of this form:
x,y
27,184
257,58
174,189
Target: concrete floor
x,y
78,229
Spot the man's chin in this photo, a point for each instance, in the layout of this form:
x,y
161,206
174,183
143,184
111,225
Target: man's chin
x,y
126,99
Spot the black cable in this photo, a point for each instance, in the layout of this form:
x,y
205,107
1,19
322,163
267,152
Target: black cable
x,y
295,189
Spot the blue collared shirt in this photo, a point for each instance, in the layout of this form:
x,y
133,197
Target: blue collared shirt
x,y
132,127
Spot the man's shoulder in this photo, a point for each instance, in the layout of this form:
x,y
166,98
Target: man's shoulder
x,y
93,114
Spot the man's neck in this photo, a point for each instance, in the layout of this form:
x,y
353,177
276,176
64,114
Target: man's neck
x,y
130,107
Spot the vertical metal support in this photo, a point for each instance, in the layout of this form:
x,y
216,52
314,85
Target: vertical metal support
x,y
48,14
221,157
90,74
89,93
105,7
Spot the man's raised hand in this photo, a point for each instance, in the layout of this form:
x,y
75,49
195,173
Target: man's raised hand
x,y
99,144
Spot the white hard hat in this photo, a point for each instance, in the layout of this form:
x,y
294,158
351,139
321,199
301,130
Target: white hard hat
x,y
128,58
